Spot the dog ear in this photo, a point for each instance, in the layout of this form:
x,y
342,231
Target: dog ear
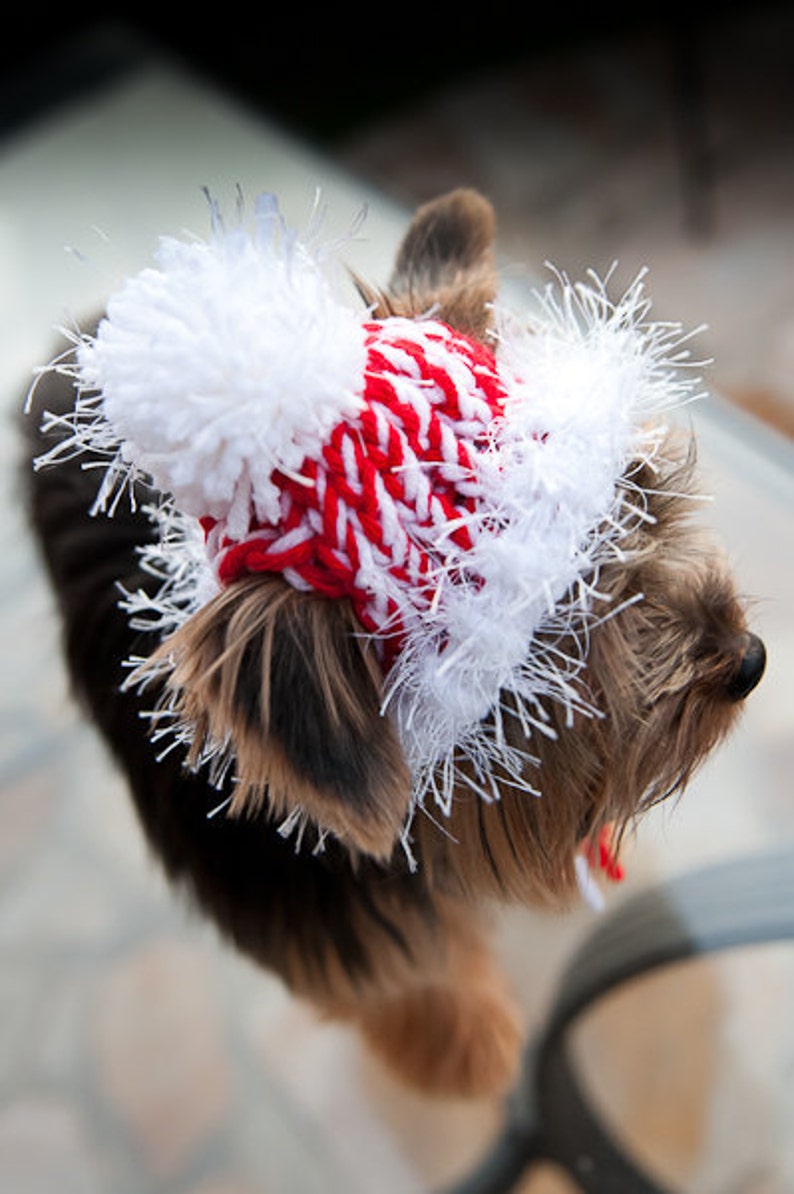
x,y
445,266
290,682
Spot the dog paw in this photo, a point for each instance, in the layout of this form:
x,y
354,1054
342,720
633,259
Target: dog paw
x,y
449,1043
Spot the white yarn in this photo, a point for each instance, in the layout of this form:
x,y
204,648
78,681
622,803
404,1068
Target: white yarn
x,y
230,359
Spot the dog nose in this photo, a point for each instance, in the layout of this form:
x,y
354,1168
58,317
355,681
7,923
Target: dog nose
x,y
751,668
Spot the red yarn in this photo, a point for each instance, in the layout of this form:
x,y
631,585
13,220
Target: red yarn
x,y
600,854
363,494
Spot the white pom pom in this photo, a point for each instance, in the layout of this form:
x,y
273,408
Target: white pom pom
x,y
230,359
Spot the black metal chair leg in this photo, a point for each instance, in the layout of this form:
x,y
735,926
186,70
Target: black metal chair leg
x,y
749,901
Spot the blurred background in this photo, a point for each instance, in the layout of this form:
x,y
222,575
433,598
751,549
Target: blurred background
x,y
657,135
137,1056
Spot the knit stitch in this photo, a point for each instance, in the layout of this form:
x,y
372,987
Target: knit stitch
x,y
373,517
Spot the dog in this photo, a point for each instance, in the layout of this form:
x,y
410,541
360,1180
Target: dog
x,y
322,864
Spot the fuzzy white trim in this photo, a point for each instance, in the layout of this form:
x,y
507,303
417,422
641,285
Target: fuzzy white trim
x,y
585,375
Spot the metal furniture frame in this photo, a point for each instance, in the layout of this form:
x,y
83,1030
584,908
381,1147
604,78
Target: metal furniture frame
x,y
728,906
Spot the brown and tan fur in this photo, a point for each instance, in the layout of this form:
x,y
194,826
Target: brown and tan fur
x,y
403,955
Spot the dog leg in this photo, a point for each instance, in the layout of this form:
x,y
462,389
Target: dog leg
x,y
457,1032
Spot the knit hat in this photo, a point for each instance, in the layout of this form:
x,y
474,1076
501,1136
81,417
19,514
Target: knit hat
x,y
462,496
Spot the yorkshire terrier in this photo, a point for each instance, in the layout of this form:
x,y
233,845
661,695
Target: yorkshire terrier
x,y
347,752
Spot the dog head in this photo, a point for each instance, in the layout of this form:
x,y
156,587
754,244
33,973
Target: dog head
x,y
669,655
313,691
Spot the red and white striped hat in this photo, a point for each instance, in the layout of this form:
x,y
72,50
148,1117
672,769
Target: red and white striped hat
x,y
462,496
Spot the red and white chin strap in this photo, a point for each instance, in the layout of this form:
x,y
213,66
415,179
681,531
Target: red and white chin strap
x,y
462,497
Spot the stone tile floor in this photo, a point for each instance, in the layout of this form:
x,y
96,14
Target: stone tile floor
x,y
139,1057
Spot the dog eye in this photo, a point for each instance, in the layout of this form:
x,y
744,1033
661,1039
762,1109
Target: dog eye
x,y
751,667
